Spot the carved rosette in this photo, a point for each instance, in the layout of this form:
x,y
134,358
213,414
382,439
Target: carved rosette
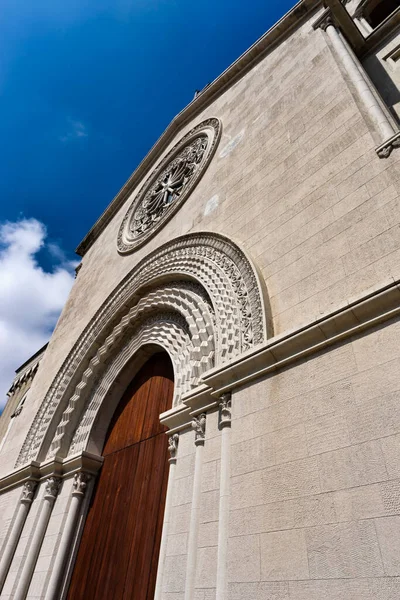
x,y
199,426
169,185
52,487
225,414
28,491
173,442
80,484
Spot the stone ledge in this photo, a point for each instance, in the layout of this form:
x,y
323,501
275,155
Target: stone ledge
x,y
63,468
360,314
377,307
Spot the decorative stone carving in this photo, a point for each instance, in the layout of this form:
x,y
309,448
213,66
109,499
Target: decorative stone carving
x,y
51,488
80,484
199,426
169,185
225,415
385,149
28,491
212,311
173,442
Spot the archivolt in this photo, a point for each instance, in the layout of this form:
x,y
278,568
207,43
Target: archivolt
x,y
199,297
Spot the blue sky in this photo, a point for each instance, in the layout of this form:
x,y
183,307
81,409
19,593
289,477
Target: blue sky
x,y
87,87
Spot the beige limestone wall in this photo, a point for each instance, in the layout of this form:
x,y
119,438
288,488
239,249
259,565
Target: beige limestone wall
x,y
318,445
295,180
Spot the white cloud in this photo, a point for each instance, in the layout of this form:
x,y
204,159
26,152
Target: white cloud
x,y
76,130
30,298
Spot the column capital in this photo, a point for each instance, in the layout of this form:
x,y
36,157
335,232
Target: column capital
x,y
225,412
80,483
28,491
324,21
52,487
173,441
199,426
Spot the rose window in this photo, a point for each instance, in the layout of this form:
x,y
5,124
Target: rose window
x,y
169,185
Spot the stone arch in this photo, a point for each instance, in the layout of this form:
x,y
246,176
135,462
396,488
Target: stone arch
x,y
199,293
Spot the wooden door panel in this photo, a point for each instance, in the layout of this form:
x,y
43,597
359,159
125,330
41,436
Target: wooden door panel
x,y
118,553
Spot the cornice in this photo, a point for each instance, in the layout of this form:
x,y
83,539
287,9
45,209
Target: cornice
x,y
283,350
267,42
61,468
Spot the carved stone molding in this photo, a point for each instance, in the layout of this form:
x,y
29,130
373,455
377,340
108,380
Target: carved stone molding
x,y
210,311
225,415
324,20
385,149
52,487
173,441
80,483
28,491
199,426
169,185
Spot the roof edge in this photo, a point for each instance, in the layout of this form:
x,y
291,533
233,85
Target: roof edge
x,y
236,70
32,358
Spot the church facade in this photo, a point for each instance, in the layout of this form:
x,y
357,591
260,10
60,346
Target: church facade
x,y
217,413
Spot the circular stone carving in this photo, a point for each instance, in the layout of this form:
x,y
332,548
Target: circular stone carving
x,y
168,185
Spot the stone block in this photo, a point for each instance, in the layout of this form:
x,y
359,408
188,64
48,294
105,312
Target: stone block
x,y
210,476
291,480
180,518
284,555
209,506
344,550
174,574
240,486
244,558
385,588
388,530
182,491
208,534
206,568
273,590
252,455
327,432
375,418
335,589
391,452
177,544
353,466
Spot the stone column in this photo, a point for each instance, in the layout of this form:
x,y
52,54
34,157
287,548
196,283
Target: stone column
x,y
78,492
358,79
224,495
173,442
199,425
51,491
28,492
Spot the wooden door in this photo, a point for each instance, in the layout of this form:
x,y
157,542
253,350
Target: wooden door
x,y
118,554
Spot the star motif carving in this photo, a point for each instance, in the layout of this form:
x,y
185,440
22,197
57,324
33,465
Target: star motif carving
x,y
169,185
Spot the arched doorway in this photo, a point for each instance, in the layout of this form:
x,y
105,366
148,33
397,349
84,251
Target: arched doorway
x,y
118,553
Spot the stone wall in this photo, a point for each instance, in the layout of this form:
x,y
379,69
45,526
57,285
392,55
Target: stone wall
x,y
318,445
